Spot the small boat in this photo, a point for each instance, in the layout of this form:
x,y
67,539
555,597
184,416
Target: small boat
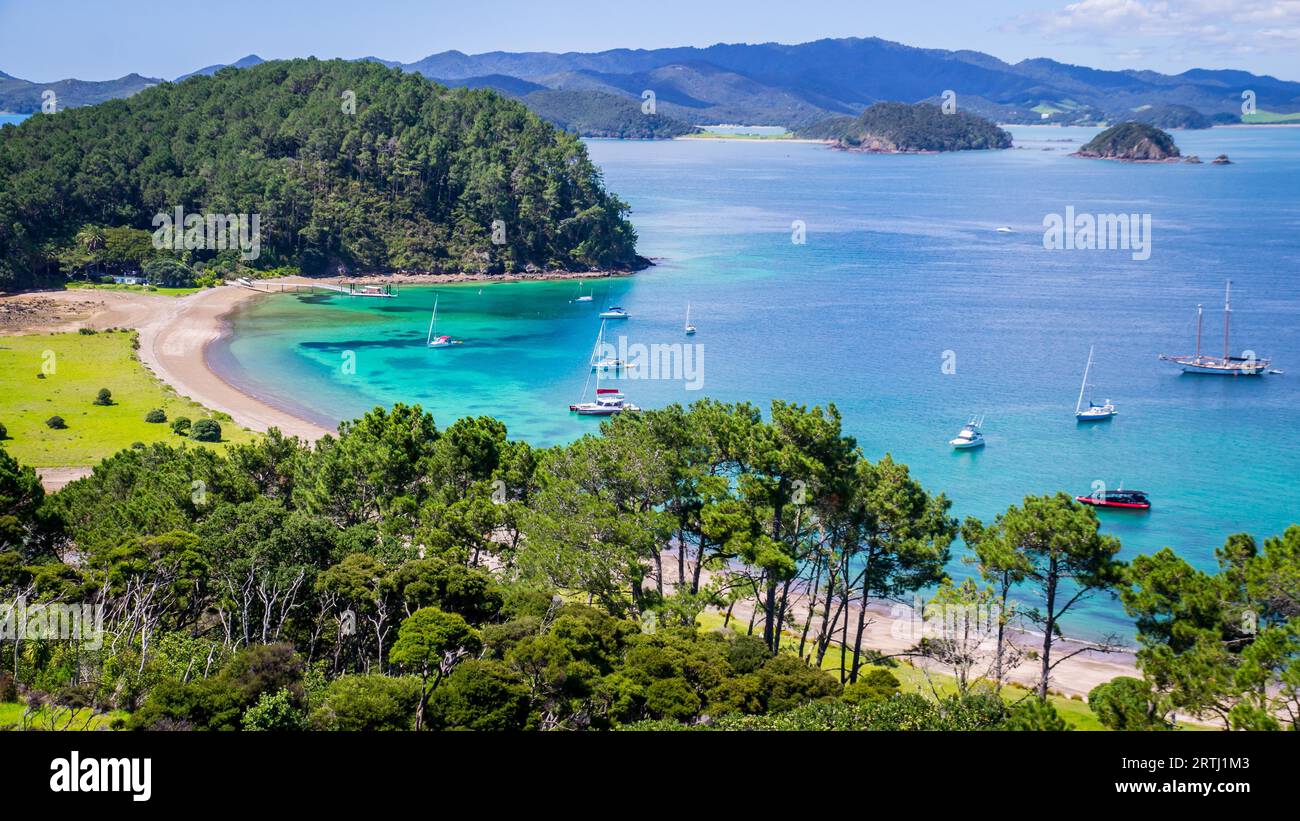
x,y
969,436
1094,412
614,312
689,328
581,297
1124,499
1227,365
443,341
1005,229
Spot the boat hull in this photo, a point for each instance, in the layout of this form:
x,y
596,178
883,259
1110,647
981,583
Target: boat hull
x,y
1095,502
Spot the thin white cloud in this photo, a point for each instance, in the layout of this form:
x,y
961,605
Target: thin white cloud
x,y
1134,29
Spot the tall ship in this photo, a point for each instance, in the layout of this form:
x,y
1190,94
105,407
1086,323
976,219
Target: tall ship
x,y
1226,365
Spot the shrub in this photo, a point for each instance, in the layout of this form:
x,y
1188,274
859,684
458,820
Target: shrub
x,y
1036,716
86,331
181,425
104,397
156,416
56,422
874,684
206,430
4,432
357,703
273,712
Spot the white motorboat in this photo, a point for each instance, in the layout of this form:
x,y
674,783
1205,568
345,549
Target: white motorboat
x,y
969,436
614,312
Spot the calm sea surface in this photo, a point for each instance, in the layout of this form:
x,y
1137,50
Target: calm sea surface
x,y
902,270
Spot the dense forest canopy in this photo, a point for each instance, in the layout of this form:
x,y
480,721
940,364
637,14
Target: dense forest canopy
x,y
348,164
910,127
403,576
1131,141
600,114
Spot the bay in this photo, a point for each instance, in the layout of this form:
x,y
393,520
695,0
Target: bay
x,y
901,270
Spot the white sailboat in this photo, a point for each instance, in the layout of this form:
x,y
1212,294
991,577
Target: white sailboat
x,y
1094,412
608,401
689,328
1227,365
581,297
969,436
600,362
432,341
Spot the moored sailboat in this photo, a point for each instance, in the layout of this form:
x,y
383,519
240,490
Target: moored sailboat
x,y
1094,412
443,341
1227,365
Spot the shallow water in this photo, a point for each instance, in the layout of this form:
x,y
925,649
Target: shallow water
x,y
901,271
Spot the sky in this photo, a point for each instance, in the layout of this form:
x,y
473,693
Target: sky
x,y
46,40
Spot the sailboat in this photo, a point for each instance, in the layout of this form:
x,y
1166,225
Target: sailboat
x,y
689,328
438,341
1227,365
603,363
969,436
1094,412
581,297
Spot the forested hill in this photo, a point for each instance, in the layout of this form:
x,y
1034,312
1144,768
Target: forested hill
x,y
413,177
900,127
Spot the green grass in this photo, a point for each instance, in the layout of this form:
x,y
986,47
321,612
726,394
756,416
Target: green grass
x,y
82,364
11,714
721,135
1270,117
151,289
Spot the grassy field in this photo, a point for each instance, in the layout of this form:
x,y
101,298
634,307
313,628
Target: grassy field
x,y
58,718
151,289
726,135
1270,117
76,367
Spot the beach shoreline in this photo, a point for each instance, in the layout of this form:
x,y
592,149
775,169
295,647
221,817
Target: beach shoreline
x,y
176,333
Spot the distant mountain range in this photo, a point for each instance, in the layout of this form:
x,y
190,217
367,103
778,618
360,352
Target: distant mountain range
x,y
795,85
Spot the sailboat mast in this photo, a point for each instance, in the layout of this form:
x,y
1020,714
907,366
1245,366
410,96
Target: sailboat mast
x,y
1227,313
1199,311
433,319
1084,386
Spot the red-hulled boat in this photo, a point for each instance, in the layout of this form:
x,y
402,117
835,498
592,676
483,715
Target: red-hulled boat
x,y
1126,499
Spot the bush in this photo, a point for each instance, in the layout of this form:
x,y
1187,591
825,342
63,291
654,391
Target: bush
x,y
1127,703
4,432
874,684
273,712
206,430
1036,716
56,423
181,426
86,331
156,416
356,703
104,397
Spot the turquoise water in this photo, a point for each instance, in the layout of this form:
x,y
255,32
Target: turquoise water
x,y
901,263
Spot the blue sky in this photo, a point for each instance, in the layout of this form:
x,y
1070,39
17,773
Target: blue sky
x,y
46,40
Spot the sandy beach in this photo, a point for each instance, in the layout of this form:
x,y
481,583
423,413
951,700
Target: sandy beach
x,y
174,335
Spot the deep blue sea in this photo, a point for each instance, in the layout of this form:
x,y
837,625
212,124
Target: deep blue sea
x,y
901,271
